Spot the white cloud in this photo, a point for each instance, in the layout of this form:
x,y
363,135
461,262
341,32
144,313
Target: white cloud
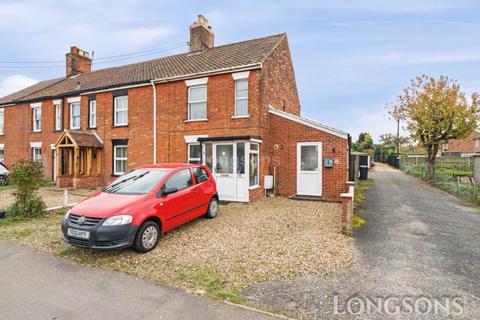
x,y
14,83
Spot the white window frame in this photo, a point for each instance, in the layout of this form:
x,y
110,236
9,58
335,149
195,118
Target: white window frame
x,y
34,113
92,115
2,121
79,115
257,152
190,102
115,171
199,160
236,115
115,111
39,149
58,116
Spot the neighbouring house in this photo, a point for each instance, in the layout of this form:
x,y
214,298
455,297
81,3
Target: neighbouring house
x,y
462,147
233,107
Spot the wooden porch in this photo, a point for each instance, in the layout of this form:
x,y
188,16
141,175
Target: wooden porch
x,y
79,159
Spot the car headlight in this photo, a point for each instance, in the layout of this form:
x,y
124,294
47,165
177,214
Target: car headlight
x,y
118,220
67,215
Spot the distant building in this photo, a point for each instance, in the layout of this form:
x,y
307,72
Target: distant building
x,y
462,147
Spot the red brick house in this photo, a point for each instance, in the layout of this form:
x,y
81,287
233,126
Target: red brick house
x,y
234,107
463,147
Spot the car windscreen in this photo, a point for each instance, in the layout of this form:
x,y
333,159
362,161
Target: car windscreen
x,y
136,182
3,169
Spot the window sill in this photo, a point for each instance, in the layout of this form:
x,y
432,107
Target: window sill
x,y
196,120
120,126
92,128
241,117
38,131
77,129
254,187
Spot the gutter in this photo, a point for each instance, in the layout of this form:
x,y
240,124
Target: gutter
x,y
154,93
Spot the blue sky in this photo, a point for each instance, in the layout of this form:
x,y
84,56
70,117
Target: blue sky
x,y
351,57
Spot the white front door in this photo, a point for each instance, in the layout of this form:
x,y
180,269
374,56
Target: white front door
x,y
230,172
309,168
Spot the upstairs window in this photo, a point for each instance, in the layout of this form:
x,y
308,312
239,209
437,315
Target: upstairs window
x,y
241,98
92,113
37,119
75,115
120,111
58,117
197,102
2,121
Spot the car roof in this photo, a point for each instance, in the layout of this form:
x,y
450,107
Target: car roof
x,y
170,166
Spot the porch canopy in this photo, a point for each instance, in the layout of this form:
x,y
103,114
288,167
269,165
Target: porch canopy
x,y
79,154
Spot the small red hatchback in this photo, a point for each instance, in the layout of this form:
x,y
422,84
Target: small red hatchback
x,y
139,206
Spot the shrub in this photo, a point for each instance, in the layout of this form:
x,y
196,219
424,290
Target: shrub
x,y
26,177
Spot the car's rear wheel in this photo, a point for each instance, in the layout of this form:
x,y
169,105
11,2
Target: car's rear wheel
x,y
147,237
212,208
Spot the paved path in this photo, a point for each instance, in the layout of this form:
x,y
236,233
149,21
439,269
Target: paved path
x,y
418,241
34,285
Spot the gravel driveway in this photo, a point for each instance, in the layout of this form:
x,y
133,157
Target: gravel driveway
x,y
268,239
418,241
52,196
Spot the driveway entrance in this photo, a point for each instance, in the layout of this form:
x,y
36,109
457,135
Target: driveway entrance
x,y
418,241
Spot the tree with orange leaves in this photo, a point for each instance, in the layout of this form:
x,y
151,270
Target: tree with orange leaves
x,y
435,111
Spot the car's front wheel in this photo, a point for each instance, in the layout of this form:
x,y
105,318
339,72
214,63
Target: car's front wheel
x,y
147,237
212,208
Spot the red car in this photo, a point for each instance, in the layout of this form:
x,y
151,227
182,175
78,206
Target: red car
x,y
139,206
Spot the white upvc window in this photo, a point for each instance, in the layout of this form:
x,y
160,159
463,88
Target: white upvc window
x,y
92,114
37,154
120,111
194,153
254,165
197,102
75,115
37,118
2,155
241,98
2,121
120,159
58,116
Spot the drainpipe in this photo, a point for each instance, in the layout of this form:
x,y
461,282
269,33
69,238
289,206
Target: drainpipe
x,y
154,122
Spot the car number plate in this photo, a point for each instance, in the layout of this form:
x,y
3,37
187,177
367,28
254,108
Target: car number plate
x,y
78,233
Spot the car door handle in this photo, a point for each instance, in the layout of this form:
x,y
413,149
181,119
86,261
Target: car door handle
x,y
196,190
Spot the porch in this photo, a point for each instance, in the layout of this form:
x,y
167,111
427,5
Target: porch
x,y
78,159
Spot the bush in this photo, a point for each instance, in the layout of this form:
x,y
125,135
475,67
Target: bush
x,y
26,177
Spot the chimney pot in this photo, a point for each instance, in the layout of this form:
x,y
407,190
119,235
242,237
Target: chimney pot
x,y
201,35
77,62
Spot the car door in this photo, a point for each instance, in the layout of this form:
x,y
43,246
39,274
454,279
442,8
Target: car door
x,y
203,190
178,206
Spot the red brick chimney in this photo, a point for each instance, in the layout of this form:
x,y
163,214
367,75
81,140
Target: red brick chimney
x,y
201,35
78,61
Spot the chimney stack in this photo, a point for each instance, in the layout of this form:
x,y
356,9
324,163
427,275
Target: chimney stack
x,y
201,35
78,61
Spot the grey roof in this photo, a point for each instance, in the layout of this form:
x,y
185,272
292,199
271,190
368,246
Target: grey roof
x,y
225,57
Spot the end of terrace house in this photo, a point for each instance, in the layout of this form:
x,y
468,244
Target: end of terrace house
x,y
233,107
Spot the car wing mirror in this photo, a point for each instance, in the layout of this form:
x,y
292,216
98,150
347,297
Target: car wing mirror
x,y
167,191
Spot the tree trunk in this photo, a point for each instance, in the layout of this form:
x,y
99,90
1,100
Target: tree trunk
x,y
431,154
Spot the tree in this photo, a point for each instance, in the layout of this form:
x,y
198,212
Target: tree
x,y
435,111
389,139
364,142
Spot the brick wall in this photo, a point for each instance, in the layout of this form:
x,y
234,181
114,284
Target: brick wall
x,y
285,134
